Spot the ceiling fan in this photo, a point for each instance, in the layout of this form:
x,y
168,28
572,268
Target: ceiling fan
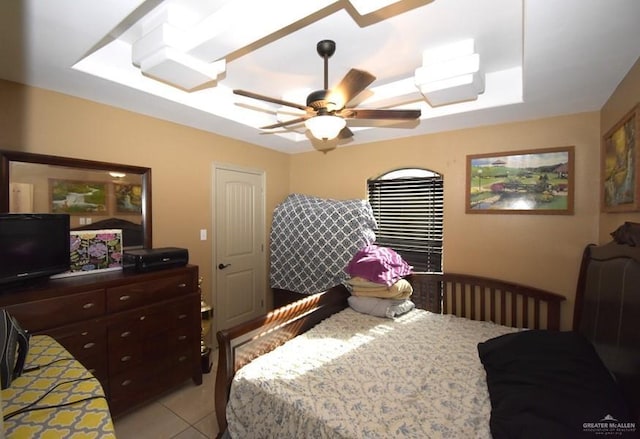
x,y
326,109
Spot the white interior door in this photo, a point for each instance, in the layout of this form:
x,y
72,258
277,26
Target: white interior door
x,y
239,260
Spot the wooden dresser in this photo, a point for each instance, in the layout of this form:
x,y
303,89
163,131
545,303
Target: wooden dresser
x,y
139,333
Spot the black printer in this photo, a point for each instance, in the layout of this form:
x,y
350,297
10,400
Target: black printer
x,y
154,258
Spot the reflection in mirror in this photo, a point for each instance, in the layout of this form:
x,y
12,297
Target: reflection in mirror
x,y
96,195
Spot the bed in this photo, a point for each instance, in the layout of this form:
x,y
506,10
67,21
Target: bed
x,y
342,380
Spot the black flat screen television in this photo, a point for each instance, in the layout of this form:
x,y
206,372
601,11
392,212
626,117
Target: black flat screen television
x,y
33,246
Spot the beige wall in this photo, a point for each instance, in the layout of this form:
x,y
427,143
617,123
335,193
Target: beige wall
x,y
539,250
181,158
625,97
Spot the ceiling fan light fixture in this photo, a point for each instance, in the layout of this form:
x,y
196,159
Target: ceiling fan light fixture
x,y
325,127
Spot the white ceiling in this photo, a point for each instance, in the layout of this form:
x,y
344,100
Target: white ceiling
x,y
540,57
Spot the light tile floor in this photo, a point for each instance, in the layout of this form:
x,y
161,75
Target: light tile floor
x,y
186,413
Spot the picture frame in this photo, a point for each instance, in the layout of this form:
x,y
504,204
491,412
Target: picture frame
x,y
619,158
535,181
77,197
128,198
94,251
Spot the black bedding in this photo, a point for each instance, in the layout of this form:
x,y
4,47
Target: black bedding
x,y
547,384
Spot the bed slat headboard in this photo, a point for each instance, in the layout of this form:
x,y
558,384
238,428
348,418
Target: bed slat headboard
x,y
481,298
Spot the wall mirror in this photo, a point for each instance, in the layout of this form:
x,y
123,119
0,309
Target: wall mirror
x,y
96,195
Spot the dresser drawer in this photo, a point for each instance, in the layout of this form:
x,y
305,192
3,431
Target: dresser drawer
x,y
82,340
182,340
144,293
139,324
139,383
87,342
184,313
130,387
50,313
125,345
133,337
179,366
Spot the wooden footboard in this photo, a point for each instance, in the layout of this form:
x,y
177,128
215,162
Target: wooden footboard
x,y
242,343
473,297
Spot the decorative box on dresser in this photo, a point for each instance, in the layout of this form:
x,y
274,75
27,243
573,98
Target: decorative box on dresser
x,y
139,333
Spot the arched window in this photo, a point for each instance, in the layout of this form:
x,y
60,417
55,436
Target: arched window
x,y
408,207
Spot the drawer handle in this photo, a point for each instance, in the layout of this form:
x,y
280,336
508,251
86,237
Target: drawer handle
x,y
125,334
124,298
182,358
125,358
182,316
84,333
182,285
88,305
182,337
89,345
143,317
125,383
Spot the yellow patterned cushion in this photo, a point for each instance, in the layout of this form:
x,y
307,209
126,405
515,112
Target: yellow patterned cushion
x,y
63,382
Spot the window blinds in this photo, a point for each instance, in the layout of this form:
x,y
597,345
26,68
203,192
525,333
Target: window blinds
x,y
409,213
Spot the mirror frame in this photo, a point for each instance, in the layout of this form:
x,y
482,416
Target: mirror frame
x,y
7,156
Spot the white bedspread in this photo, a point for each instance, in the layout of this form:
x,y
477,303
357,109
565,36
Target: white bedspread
x,y
359,376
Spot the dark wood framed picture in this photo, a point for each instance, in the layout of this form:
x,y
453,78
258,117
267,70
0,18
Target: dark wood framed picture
x,y
620,190
536,181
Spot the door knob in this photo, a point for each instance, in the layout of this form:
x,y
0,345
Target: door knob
x,y
222,266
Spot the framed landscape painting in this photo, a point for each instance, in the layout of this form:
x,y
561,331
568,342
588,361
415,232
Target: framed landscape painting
x,y
538,181
77,197
620,191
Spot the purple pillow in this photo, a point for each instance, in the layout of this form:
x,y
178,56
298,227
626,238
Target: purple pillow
x,y
381,265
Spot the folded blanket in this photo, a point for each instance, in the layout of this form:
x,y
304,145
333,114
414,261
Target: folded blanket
x,y
361,287
362,283
380,307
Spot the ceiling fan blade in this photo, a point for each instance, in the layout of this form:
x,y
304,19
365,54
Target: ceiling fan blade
x,y
365,113
252,95
285,123
351,85
345,133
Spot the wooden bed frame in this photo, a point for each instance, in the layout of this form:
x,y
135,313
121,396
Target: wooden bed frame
x,y
473,297
607,312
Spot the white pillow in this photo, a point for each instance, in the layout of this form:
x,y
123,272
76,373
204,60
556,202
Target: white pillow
x,y
378,307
